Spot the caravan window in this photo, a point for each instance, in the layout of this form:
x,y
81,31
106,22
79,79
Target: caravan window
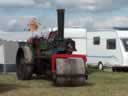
x,y
96,40
125,43
111,44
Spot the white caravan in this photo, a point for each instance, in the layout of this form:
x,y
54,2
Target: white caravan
x,y
107,48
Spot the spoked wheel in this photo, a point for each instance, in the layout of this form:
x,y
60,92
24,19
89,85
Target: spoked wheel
x,y
24,69
100,67
20,67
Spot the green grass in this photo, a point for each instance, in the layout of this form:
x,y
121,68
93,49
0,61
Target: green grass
x,y
98,84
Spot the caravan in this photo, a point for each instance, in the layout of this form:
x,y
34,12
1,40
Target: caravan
x,y
108,49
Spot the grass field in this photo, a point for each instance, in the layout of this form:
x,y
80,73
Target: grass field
x,y
98,84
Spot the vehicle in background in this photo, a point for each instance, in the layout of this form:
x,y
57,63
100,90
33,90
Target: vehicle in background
x,y
108,49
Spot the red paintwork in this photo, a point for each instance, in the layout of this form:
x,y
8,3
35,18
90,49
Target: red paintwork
x,y
54,56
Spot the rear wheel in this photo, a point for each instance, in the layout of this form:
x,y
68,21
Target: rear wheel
x,y
24,64
100,67
24,71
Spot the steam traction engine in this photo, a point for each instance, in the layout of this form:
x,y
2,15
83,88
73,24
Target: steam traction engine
x,y
52,56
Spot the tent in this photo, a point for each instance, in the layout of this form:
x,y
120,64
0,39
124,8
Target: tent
x,y
8,51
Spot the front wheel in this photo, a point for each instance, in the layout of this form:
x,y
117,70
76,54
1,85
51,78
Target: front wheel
x,y
100,67
70,72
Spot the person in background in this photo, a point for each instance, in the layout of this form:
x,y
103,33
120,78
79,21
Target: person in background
x,y
33,27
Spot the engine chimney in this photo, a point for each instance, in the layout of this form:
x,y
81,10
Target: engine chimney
x,y
60,15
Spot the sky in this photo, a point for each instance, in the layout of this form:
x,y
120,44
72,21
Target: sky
x,y
90,14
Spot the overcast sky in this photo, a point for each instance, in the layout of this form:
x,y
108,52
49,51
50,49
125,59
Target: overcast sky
x,y
91,14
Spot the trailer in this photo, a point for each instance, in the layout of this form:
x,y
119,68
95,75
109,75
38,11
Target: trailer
x,y
108,49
